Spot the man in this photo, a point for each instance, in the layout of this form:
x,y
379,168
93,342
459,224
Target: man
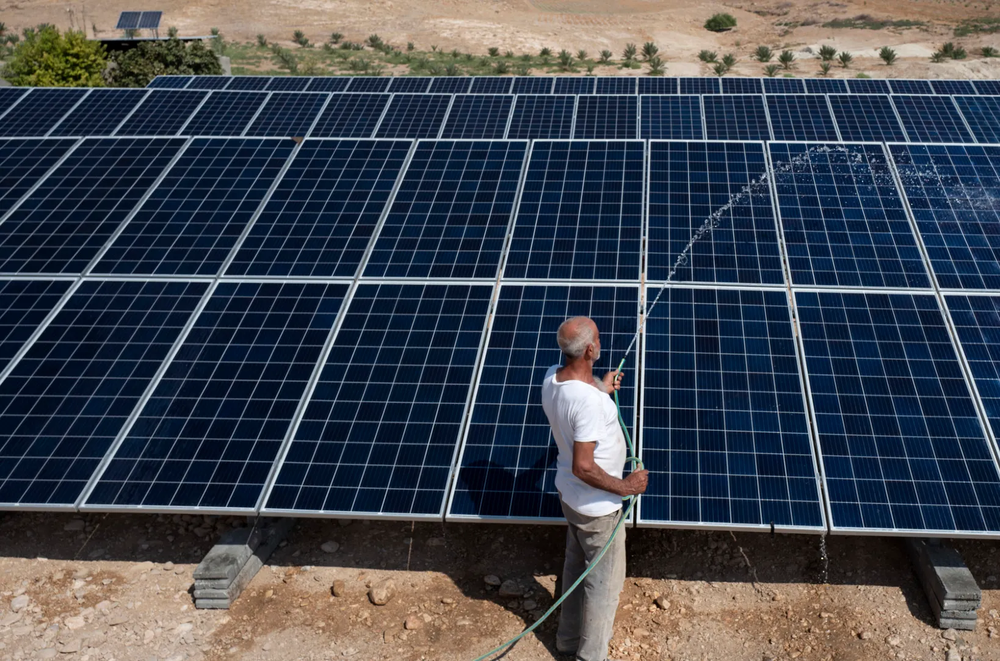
x,y
589,469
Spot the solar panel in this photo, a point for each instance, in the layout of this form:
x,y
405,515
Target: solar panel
x,y
542,117
741,86
911,87
328,84
574,85
65,401
671,118
369,84
977,326
825,86
193,218
23,162
24,305
9,96
350,116
288,114
414,116
735,117
533,84
616,85
580,215
209,82
607,117
724,429
900,440
100,112
954,193
658,86
783,86
128,20
451,85
215,422
478,116
508,463
491,85
866,117
163,112
689,182
39,111
409,84
450,216
953,87
288,84
931,119
150,20
867,86
988,87
320,217
225,113
801,117
170,82
843,219
982,113
700,86
248,83
62,225
380,432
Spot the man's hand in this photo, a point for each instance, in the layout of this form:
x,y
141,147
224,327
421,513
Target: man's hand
x,y
612,381
635,483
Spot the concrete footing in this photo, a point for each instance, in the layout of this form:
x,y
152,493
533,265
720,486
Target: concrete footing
x,y
232,563
951,590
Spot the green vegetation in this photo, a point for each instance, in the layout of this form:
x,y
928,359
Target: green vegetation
x,y
771,70
336,37
845,59
866,22
787,59
827,53
262,41
299,37
50,59
763,54
824,68
987,25
949,51
580,55
720,23
606,56
656,66
629,53
888,55
501,67
139,65
720,69
989,51
729,60
649,49
708,56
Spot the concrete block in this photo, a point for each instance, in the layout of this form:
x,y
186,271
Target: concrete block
x,y
943,572
224,604
227,557
961,625
237,585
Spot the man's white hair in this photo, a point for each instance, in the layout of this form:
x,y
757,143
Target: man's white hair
x,y
574,336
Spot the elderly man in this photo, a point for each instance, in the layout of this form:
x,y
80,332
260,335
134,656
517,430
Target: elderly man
x,y
589,469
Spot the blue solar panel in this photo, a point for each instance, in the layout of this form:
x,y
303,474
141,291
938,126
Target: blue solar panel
x,y
542,117
931,119
735,117
24,305
900,440
23,162
825,86
211,431
982,113
741,86
580,214
988,87
65,401
508,462
688,183
62,225
783,86
910,87
409,84
225,113
574,85
478,116
9,96
322,214
150,20
350,116
533,85
801,117
193,218
866,117
328,84
607,117
724,428
100,112
39,111
380,431
248,83
867,86
953,87
977,325
450,215
369,84
491,85
128,20
170,82
288,84
209,82
288,114
163,112
658,86
843,219
451,85
671,118
616,85
700,86
954,193
414,116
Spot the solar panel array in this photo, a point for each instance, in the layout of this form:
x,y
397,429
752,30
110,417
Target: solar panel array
x,y
338,296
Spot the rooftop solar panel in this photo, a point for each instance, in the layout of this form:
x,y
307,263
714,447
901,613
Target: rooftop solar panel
x,y
658,86
128,20
478,116
288,84
248,83
607,117
911,87
616,85
150,20
977,325
901,443
931,119
209,82
866,117
23,161
700,86
451,85
867,86
39,111
414,116
533,85
328,84
982,114
100,112
450,216
225,113
163,112
542,116
288,114
24,305
62,225
575,85
671,117
9,96
321,216
170,82
65,401
689,182
491,85
724,429
801,117
953,87
580,215
508,461
369,84
825,86
735,117
350,116
741,86
991,87
409,84
843,218
214,424
380,432
191,221
783,86
954,193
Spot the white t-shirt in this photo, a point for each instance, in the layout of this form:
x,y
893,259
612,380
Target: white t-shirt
x,y
579,412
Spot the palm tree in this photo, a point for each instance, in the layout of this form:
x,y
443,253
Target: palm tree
x,y
656,67
606,56
845,59
649,49
629,53
771,70
888,55
787,58
763,54
827,53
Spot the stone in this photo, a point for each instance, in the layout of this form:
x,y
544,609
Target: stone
x,y
103,606
894,641
510,588
169,566
492,580
529,605
949,634
662,603
447,601
47,653
339,588
865,635
413,623
71,646
9,619
330,547
117,619
18,604
183,629
75,622
382,592
953,655
76,525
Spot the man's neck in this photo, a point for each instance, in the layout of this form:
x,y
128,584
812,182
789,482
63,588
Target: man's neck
x,y
577,370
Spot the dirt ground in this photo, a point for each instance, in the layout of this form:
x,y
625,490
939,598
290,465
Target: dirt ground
x,y
105,587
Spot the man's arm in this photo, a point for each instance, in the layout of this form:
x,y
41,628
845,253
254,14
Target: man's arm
x,y
586,469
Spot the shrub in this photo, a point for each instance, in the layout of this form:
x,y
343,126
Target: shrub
x,y
47,58
720,69
261,41
218,44
581,55
827,53
763,54
565,60
509,53
523,69
729,60
824,68
286,60
606,56
787,59
953,51
845,59
501,67
656,67
451,69
989,51
649,49
137,66
374,40
494,52
336,37
299,37
545,52
720,23
172,32
938,57
707,56
629,53
888,55
771,70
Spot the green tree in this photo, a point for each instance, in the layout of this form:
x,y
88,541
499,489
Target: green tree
x,y
771,70
763,54
606,56
137,66
787,59
888,55
707,56
629,53
656,66
827,53
720,23
649,49
845,58
46,58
